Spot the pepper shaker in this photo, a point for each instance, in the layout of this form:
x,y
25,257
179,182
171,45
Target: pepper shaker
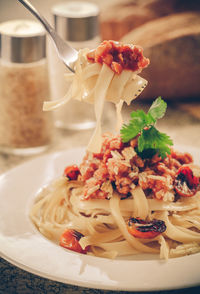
x,y
24,128
77,23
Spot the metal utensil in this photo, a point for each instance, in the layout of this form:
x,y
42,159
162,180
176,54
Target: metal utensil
x,y
65,52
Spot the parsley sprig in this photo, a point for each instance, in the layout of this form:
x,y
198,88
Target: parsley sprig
x,y
150,141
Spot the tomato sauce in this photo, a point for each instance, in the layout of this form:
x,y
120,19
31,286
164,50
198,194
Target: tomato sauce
x,y
119,56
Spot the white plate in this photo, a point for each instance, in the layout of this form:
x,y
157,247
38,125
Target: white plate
x,y
22,245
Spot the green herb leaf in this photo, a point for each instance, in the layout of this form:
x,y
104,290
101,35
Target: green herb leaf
x,y
139,120
153,139
158,108
136,124
150,140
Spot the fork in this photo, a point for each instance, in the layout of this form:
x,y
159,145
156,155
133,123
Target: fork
x,y
65,52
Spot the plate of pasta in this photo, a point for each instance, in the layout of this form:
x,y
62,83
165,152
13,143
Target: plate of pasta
x,y
23,245
122,213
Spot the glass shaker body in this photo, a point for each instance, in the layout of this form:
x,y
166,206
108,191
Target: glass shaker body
x,y
77,23
24,85
74,115
24,127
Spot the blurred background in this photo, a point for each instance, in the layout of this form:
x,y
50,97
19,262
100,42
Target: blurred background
x,y
169,32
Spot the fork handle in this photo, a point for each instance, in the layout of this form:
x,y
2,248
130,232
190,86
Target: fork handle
x,y
66,53
36,13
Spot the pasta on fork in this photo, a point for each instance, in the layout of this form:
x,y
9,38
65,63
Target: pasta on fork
x,y
109,73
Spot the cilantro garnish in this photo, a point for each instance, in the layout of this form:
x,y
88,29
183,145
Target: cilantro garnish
x,y
150,140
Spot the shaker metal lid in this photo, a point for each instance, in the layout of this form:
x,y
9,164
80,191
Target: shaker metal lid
x,y
76,21
22,41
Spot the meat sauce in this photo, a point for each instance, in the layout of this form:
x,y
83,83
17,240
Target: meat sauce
x,y
119,56
128,169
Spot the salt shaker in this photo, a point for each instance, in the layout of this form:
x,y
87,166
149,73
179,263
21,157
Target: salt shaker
x,y
24,128
77,23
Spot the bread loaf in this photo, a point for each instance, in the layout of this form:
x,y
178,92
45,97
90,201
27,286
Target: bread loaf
x,y
126,15
172,44
119,19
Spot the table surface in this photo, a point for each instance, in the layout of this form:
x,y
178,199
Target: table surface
x,y
181,123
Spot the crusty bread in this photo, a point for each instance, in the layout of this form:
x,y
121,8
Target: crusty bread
x,y
172,43
122,16
121,19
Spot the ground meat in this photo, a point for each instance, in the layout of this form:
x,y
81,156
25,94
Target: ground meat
x,y
138,161
123,185
88,171
118,167
111,142
119,56
101,173
183,158
162,169
158,185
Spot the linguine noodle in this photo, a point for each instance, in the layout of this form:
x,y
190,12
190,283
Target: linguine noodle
x,y
103,221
